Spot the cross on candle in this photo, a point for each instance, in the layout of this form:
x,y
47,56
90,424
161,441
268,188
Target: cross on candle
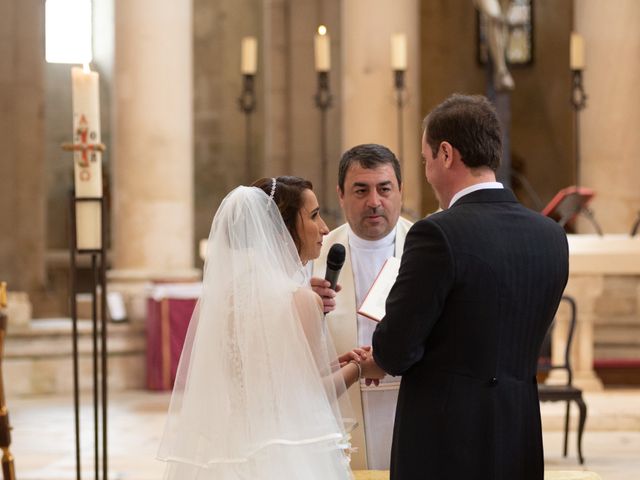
x,y
84,146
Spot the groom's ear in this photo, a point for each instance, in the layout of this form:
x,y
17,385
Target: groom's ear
x,y
447,154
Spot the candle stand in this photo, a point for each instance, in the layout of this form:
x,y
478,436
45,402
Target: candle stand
x,y
579,102
323,100
99,330
399,84
400,88
247,103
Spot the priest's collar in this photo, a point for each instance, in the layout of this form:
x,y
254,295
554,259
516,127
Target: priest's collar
x,y
360,243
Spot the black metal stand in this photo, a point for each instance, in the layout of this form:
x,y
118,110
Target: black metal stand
x,y
578,102
399,85
636,226
400,88
99,332
323,99
247,103
502,102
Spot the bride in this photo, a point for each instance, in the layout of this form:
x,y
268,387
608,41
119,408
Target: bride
x,y
258,390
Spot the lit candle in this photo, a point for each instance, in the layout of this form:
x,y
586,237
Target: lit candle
x,y
323,50
87,159
399,51
249,59
577,59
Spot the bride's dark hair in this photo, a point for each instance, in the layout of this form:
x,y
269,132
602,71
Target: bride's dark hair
x,y
288,198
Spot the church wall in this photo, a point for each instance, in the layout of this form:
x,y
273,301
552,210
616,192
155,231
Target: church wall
x,y
370,112
285,126
541,130
219,128
35,99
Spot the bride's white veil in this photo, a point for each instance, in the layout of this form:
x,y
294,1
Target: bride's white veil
x,y
256,393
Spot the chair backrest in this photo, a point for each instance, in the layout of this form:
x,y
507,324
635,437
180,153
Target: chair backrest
x,y
545,362
8,472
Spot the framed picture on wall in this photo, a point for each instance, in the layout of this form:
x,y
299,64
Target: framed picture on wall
x,y
519,28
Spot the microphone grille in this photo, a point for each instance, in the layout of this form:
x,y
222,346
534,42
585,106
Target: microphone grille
x,y
336,256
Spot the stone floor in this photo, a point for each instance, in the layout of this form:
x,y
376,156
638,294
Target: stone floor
x,y
43,436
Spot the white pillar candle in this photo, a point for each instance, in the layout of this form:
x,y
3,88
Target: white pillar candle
x,y
322,50
399,51
249,58
577,58
87,161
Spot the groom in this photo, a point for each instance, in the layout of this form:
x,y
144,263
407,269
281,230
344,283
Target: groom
x,y
478,286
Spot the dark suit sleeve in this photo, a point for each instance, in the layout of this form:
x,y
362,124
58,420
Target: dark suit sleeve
x,y
416,299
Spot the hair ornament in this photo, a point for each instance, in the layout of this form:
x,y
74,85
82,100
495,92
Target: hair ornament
x,y
273,188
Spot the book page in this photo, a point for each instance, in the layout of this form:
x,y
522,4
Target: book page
x,y
373,305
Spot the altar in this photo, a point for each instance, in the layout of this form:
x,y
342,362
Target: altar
x,y
604,280
169,310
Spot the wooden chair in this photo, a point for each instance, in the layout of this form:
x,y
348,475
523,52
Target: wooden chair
x,y
8,472
565,392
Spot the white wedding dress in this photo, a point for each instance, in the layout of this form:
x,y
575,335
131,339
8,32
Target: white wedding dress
x,y
257,394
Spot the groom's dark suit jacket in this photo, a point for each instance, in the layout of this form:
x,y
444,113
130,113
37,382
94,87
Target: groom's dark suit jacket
x,y
478,286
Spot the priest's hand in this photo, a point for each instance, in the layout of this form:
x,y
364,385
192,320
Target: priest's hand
x,y
322,288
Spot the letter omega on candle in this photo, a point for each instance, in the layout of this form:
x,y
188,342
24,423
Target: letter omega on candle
x,y
87,160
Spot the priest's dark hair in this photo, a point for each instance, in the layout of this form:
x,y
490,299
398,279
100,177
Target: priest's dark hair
x,y
288,197
370,156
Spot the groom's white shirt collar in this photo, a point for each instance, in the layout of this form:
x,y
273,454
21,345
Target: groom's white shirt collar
x,y
473,188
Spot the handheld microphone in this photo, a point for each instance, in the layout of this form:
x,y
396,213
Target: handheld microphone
x,y
335,261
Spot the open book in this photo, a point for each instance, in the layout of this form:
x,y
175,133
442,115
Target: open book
x,y
373,305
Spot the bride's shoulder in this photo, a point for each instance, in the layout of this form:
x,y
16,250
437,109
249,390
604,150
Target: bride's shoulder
x,y
306,295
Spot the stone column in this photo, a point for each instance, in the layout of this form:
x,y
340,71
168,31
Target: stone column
x,y
609,143
369,112
153,160
22,177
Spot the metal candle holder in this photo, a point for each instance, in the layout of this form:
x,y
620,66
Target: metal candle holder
x,y
400,88
399,84
578,102
247,103
323,100
99,332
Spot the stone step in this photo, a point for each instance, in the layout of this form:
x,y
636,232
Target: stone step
x,y
38,358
